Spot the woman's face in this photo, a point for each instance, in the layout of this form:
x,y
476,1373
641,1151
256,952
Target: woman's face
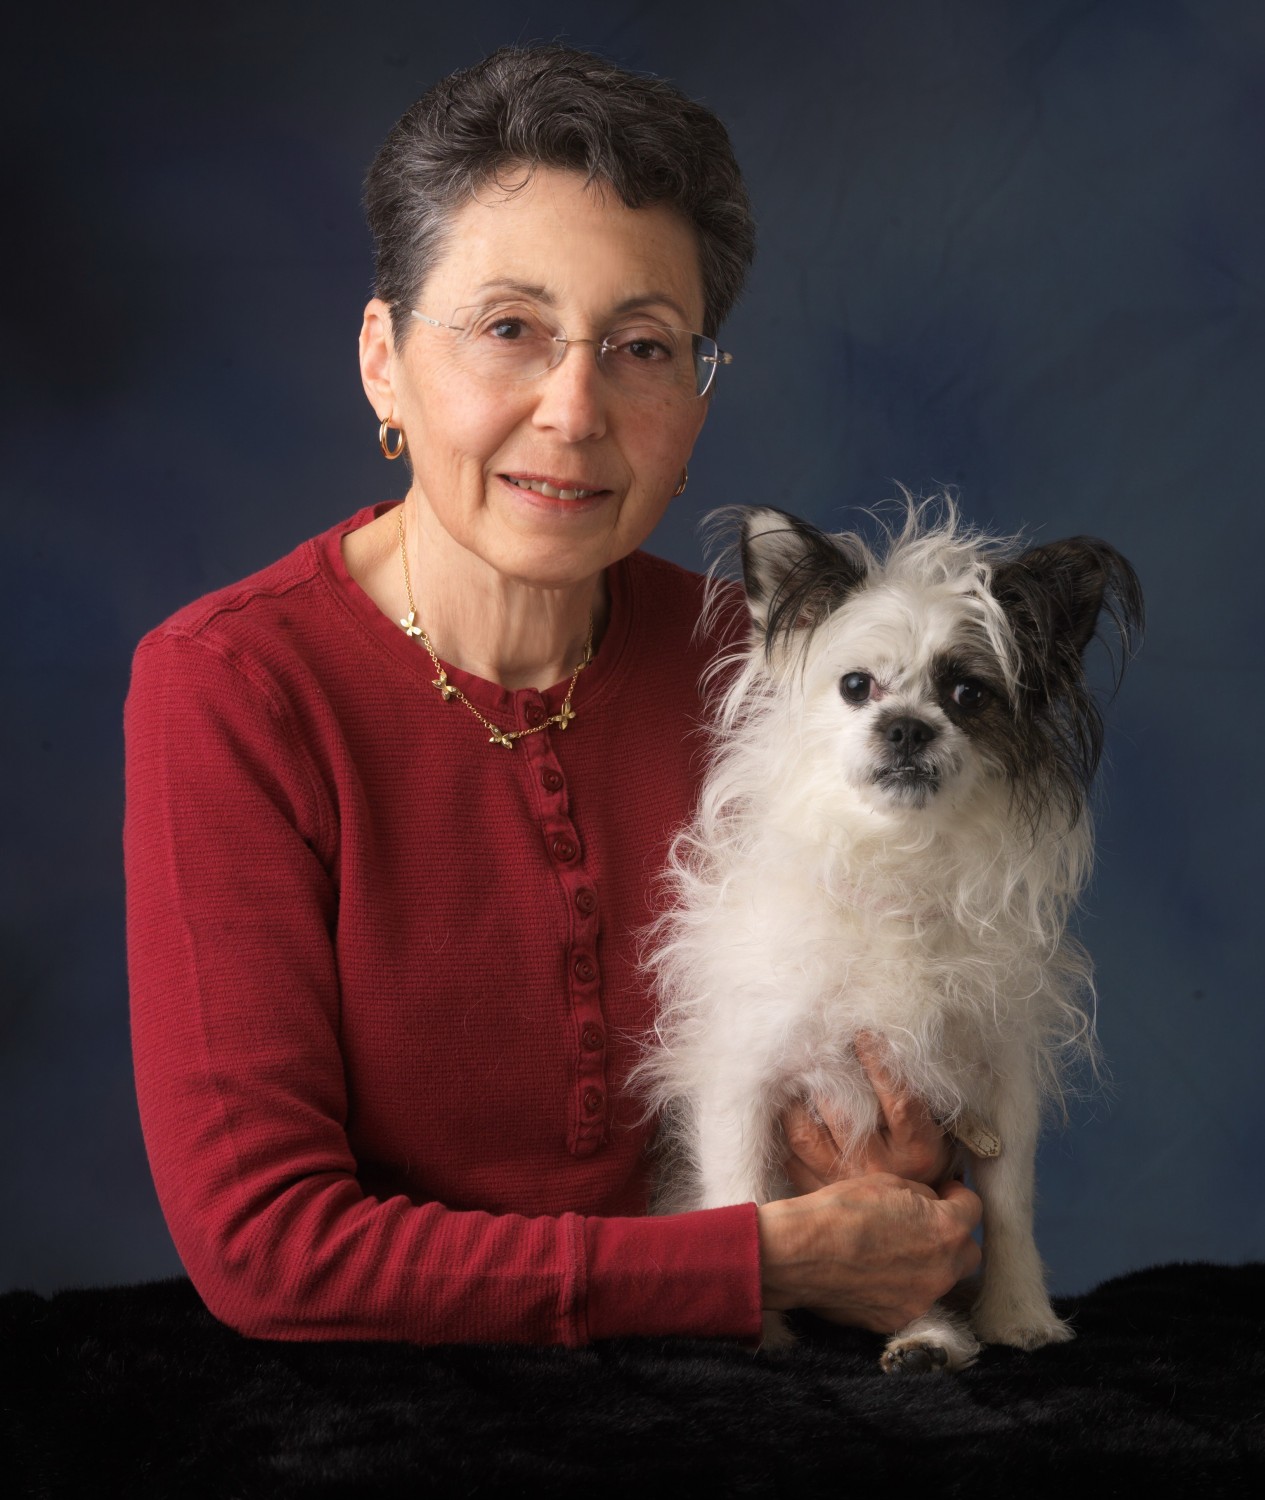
x,y
477,444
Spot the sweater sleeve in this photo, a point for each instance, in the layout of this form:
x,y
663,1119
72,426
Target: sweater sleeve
x,y
232,916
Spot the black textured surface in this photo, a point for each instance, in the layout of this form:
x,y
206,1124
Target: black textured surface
x,y
138,1391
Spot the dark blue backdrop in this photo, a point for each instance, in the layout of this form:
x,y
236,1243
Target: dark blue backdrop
x,y
1016,248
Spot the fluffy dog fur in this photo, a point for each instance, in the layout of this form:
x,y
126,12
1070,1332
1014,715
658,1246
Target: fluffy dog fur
x,y
890,840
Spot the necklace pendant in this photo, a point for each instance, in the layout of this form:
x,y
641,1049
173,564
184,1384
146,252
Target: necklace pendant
x,y
447,691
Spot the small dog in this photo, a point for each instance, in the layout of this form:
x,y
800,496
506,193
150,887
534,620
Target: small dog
x,y
890,839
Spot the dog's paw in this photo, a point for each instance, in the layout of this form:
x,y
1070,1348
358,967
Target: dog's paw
x,y
914,1358
1022,1332
941,1340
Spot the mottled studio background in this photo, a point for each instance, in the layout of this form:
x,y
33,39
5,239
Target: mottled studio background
x,y
1012,247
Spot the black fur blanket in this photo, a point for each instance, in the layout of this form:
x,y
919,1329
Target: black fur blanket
x,y
138,1392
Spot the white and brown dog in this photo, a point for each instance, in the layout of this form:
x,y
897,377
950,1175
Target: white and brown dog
x,y
889,842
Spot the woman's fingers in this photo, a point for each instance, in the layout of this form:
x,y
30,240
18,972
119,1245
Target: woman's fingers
x,y
814,1160
900,1111
908,1141
917,1146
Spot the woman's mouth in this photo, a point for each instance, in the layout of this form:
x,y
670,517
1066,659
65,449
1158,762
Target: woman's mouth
x,y
551,491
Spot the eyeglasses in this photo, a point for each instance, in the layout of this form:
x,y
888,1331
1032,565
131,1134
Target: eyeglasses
x,y
507,342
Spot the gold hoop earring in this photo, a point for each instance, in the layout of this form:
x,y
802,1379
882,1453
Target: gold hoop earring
x,y
384,429
685,479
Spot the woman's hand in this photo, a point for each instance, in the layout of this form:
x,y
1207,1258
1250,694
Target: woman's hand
x,y
908,1143
873,1252
869,1242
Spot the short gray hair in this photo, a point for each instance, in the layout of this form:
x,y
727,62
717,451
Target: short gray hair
x,y
555,107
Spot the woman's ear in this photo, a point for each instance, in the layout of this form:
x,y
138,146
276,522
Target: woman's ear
x,y
377,358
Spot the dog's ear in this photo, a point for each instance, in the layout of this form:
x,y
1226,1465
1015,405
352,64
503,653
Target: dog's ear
x,y
795,575
1054,597
1055,594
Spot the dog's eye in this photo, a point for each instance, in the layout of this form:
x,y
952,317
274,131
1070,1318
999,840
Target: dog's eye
x,y
856,686
969,696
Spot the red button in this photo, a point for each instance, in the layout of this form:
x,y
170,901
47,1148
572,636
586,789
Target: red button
x,y
586,901
535,714
593,1101
591,1038
551,780
584,969
563,848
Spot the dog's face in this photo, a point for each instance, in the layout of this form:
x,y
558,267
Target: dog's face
x,y
905,684
904,698
944,672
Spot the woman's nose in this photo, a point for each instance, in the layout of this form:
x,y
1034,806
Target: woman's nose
x,y
573,394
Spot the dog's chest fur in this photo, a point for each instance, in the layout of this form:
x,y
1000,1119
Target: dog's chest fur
x,y
799,964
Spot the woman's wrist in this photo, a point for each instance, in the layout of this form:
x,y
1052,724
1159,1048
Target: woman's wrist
x,y
785,1253
770,1230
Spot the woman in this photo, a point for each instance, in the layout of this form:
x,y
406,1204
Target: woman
x,y
396,804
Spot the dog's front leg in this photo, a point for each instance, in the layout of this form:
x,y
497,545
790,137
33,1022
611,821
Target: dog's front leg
x,y
732,1148
732,1145
1013,1306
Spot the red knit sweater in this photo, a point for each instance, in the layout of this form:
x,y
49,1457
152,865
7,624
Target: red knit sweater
x,y
384,979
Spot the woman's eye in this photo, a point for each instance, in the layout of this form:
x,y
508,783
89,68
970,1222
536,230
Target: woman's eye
x,y
503,325
969,696
643,344
856,686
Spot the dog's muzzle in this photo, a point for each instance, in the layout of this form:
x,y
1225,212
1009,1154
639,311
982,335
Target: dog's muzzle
x,y
911,770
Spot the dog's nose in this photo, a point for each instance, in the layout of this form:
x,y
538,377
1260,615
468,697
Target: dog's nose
x,y
908,735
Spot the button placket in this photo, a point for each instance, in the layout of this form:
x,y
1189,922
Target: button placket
x,y
590,1063
588,1105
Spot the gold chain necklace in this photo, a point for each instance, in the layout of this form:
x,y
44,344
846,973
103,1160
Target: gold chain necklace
x,y
448,690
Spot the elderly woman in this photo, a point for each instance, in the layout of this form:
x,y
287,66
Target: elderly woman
x,y
396,804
